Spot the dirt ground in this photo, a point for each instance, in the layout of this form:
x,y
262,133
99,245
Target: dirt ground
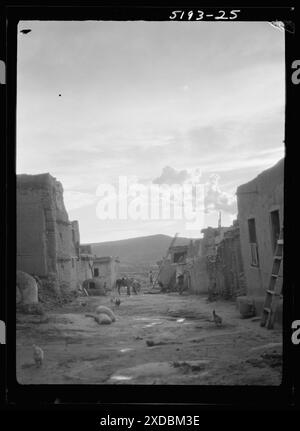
x,y
156,339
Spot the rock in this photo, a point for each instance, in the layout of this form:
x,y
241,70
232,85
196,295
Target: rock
x,y
150,343
187,366
101,309
103,319
27,287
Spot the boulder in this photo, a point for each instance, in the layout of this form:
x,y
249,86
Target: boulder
x,y
103,319
27,287
101,309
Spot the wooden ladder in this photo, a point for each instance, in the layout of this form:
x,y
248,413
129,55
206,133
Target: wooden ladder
x,y
164,260
274,291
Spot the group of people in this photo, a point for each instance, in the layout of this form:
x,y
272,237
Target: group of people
x,y
129,283
134,286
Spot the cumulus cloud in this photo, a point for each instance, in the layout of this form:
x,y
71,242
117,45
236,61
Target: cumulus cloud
x,y
171,176
216,199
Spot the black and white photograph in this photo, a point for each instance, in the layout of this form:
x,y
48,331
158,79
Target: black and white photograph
x,y
150,201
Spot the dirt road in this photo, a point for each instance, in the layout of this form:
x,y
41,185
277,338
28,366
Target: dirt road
x,y
156,339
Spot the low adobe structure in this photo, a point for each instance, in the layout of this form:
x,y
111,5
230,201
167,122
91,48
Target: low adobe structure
x,y
106,268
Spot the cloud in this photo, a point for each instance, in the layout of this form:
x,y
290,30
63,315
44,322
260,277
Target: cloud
x,y
216,199
171,176
153,116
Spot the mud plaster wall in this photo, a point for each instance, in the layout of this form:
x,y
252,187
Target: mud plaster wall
x,y
229,265
198,276
31,231
85,270
44,232
107,272
167,272
114,272
255,200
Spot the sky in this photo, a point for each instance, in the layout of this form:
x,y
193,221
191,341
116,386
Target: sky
x,y
157,102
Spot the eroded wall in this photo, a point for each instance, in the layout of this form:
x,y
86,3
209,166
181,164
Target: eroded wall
x,y
46,241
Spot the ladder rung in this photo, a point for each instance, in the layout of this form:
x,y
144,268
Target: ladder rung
x,y
273,290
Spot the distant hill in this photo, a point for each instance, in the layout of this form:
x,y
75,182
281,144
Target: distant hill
x,y
142,250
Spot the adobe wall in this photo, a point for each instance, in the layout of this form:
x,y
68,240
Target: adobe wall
x,y
84,269
114,272
36,239
255,200
198,276
166,273
229,265
44,233
107,272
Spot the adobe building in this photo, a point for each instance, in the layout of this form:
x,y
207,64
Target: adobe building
x,y
106,268
229,270
48,242
85,267
185,260
172,266
260,217
212,238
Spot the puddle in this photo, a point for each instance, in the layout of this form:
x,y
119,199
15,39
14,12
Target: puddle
x,y
161,371
127,349
152,324
180,320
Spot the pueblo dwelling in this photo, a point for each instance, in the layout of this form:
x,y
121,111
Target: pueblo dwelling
x,y
48,243
260,217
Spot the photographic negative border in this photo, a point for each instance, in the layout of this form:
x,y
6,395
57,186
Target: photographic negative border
x,y
202,396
